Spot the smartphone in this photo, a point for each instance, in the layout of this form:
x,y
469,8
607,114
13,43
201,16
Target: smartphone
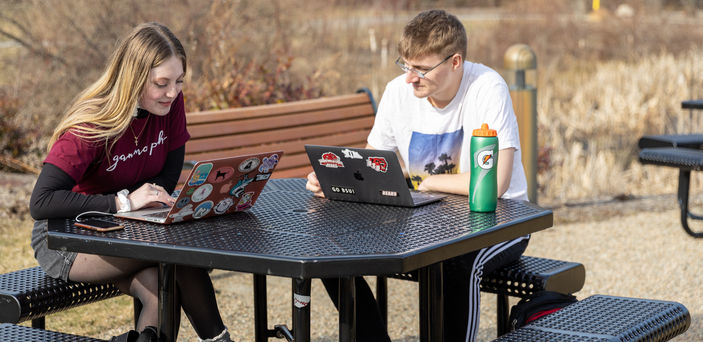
x,y
99,225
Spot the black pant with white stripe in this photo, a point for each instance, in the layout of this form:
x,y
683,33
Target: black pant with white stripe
x,y
462,294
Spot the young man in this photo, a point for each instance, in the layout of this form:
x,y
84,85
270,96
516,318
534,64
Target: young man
x,y
427,115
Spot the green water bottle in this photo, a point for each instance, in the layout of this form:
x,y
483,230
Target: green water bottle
x,y
483,187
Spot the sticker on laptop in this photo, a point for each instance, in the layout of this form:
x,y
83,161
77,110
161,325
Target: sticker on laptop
x,y
343,190
225,188
351,154
267,163
187,210
182,202
238,188
249,165
201,192
245,201
202,209
200,174
263,176
223,205
331,160
220,175
377,163
389,193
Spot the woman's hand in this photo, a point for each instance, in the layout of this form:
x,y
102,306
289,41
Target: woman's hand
x,y
150,195
314,185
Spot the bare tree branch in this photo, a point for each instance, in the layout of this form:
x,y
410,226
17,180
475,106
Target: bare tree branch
x,y
38,51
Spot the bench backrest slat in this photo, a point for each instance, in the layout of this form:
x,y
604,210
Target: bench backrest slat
x,y
238,125
344,120
279,108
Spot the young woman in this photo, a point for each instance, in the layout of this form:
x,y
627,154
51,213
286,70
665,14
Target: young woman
x,y
120,147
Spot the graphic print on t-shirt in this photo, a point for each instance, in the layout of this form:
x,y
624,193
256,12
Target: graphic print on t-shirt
x,y
432,154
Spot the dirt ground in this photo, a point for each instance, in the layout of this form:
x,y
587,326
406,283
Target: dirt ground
x,y
634,248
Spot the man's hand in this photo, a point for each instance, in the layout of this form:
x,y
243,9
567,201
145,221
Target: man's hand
x,y
314,185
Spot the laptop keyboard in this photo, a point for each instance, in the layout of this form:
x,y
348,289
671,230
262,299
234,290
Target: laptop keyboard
x,y
160,214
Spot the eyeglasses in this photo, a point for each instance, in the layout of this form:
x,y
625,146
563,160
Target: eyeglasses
x,y
421,74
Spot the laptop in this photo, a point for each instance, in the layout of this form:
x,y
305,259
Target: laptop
x,y
364,175
215,187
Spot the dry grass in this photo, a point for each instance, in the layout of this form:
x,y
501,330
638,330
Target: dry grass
x,y
592,121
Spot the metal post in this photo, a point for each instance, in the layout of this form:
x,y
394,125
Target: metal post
x,y
347,309
518,59
260,309
167,303
301,309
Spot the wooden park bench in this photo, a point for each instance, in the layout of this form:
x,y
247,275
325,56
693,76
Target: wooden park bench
x,y
344,120
607,318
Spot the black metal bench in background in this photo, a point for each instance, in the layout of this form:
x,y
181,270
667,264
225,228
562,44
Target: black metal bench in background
x,y
520,279
607,318
30,294
682,151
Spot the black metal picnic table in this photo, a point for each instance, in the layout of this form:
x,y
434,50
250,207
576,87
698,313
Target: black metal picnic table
x,y
290,233
682,151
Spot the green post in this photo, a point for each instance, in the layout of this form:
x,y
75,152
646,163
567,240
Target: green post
x,y
519,59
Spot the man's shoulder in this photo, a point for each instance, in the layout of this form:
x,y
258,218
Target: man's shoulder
x,y
478,72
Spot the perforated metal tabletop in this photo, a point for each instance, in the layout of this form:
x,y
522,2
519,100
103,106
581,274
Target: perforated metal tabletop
x,y
290,233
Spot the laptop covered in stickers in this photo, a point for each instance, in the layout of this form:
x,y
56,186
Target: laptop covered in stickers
x,y
215,187
364,175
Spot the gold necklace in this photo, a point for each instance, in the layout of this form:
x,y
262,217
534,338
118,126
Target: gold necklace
x,y
136,136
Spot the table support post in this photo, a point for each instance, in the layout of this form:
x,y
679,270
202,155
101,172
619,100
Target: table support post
x,y
347,309
431,303
301,309
260,309
503,314
167,303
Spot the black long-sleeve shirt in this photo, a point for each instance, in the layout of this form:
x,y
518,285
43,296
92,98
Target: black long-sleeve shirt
x,y
52,196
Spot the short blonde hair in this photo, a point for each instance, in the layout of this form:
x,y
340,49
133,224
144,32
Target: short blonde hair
x,y
104,110
433,32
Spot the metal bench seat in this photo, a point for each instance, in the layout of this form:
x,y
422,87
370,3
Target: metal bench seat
x,y
608,318
30,294
682,158
11,332
686,160
521,278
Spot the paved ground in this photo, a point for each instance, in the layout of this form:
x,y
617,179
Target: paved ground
x,y
632,248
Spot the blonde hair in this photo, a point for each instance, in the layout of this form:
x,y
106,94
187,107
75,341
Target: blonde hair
x,y
104,110
433,32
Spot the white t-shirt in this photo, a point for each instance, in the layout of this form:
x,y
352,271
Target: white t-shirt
x,y
434,140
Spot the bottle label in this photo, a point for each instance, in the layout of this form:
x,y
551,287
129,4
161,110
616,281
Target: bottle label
x,y
484,158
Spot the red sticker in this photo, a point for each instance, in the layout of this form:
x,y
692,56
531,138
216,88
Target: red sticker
x,y
330,159
377,163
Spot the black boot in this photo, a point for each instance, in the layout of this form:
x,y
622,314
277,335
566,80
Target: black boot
x,y
149,334
130,336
